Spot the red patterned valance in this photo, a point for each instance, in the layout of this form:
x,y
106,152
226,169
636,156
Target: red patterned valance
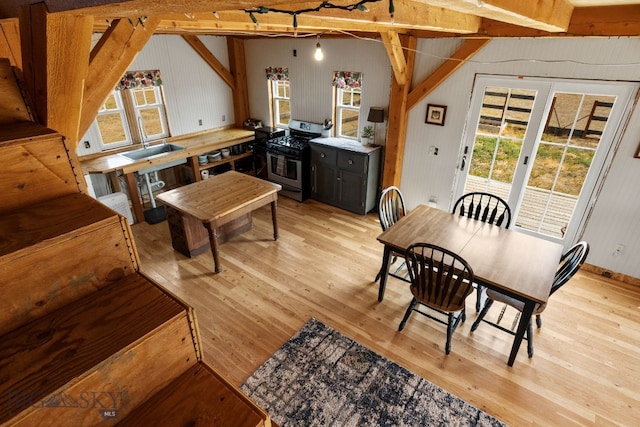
x,y
277,73
134,79
347,80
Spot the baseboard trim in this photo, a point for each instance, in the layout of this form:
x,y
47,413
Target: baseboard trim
x,y
611,274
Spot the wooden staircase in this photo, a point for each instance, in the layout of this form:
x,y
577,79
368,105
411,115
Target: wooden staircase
x,y
85,338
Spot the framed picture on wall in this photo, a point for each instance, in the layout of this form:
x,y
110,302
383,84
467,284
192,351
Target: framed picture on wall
x,y
435,114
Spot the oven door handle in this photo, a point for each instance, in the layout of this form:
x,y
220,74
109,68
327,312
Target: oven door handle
x,y
290,189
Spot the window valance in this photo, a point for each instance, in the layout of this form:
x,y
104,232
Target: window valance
x,y
277,73
347,80
135,79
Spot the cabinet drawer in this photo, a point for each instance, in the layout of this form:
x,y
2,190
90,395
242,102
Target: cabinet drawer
x,y
350,161
322,155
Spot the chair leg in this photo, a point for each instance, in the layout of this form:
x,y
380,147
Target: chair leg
x,y
479,290
450,328
407,313
538,321
485,309
530,340
504,308
379,274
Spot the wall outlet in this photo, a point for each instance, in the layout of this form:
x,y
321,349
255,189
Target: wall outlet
x,y
224,118
433,150
87,144
200,122
433,199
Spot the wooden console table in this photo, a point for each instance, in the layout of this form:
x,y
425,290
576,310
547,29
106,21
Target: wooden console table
x,y
221,199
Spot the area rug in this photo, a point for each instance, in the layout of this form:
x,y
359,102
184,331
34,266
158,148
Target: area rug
x,y
323,378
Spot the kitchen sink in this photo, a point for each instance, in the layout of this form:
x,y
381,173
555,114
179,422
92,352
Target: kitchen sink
x,y
155,152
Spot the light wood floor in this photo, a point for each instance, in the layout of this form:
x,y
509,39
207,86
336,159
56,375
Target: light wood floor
x,y
585,370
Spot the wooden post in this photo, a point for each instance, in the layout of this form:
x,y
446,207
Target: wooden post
x,y
238,68
397,127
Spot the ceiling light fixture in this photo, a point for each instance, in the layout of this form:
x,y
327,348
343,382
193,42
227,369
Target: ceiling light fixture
x,y
318,55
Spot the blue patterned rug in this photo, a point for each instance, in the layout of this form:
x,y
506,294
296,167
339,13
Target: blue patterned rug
x,y
322,378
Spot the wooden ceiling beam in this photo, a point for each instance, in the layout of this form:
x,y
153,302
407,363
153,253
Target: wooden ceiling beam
x,y
546,15
393,46
411,16
603,21
210,59
110,59
466,51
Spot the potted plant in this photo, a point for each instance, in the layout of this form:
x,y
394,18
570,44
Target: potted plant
x,y
367,135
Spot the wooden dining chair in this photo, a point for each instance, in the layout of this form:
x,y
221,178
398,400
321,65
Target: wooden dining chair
x,y
441,280
570,263
390,210
483,207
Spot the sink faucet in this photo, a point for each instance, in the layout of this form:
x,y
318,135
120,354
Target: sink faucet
x,y
143,136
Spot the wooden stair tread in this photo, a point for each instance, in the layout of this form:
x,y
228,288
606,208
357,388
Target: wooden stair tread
x,y
19,133
47,353
49,219
198,397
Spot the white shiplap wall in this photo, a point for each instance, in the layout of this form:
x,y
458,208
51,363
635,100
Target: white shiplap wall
x,y
310,80
193,91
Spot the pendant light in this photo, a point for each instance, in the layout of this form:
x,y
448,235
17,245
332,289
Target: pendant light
x,y
318,55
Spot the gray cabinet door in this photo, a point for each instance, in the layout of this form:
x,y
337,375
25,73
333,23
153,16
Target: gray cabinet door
x,y
323,174
351,191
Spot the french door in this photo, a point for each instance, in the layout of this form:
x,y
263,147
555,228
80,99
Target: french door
x,y
541,144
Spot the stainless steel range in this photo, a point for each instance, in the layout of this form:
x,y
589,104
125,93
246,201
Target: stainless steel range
x,y
288,159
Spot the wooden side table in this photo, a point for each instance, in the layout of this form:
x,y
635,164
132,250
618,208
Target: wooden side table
x,y
218,201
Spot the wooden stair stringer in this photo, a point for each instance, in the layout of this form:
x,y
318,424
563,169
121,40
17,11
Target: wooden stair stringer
x,y
49,256
113,335
200,396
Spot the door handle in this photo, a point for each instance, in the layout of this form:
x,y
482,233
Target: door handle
x,y
526,159
463,163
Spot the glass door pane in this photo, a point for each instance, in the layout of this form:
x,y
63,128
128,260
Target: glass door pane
x,y
565,151
504,118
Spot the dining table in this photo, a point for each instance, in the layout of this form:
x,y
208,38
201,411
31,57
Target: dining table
x,y
514,263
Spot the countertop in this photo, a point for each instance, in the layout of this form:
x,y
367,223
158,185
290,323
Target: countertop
x,y
194,145
346,144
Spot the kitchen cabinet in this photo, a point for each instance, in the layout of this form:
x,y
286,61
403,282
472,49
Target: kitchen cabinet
x,y
345,173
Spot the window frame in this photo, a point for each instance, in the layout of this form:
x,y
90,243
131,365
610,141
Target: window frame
x,y
130,114
121,110
159,105
340,107
274,94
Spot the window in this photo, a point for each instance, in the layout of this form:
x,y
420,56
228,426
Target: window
x,y
112,121
279,95
149,112
280,103
347,94
134,111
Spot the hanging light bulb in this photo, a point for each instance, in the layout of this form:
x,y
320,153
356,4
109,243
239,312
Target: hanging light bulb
x,y
318,55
